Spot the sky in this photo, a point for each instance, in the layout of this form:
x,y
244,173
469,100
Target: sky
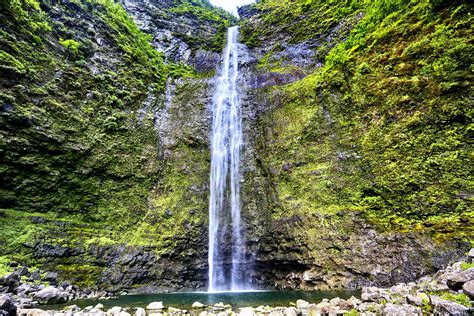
x,y
231,5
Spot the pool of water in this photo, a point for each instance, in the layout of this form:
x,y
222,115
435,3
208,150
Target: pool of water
x,y
236,299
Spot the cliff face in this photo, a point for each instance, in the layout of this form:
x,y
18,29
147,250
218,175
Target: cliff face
x,y
358,140
356,166
104,139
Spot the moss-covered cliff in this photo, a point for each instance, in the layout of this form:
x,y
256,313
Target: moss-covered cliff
x,y
84,164
369,143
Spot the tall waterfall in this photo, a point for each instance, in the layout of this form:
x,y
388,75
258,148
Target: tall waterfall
x,y
226,269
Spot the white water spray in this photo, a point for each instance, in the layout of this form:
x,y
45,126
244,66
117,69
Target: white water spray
x,y
226,141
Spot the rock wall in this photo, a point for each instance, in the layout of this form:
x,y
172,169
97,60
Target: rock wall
x,y
323,160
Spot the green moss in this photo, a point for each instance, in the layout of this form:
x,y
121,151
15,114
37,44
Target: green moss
x,y
5,267
70,44
466,266
459,298
382,128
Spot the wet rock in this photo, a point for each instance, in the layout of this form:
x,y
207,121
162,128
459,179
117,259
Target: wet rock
x,y
51,295
444,307
456,281
7,306
302,304
468,289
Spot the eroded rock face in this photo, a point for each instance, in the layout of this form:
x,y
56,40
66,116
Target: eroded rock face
x,y
182,38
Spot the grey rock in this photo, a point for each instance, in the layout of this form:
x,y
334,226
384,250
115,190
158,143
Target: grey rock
x,y
24,288
405,309
140,312
72,308
470,256
374,294
7,305
290,311
302,304
155,306
198,305
115,311
456,281
444,307
246,311
51,295
10,281
468,289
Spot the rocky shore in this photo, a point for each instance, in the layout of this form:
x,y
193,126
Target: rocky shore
x,y
24,289
448,292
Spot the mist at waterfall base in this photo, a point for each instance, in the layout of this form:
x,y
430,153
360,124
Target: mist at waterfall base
x,y
229,266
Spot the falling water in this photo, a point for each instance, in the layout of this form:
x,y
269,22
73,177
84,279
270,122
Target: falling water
x,y
226,141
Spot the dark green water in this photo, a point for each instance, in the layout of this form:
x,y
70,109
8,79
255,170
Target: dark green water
x,y
240,299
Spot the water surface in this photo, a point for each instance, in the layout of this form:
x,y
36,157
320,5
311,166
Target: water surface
x,y
236,299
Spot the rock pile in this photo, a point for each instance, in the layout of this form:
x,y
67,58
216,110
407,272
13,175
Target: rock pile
x,y
25,289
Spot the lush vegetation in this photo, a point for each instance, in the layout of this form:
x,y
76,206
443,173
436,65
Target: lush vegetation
x,y
383,128
78,144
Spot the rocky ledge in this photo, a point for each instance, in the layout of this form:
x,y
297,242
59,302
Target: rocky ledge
x,y
448,292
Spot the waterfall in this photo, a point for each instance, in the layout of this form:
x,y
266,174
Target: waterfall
x,y
226,142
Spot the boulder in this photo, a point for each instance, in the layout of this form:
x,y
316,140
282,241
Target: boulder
x,y
198,305
302,304
124,313
374,294
51,295
72,308
354,301
456,281
444,307
155,306
290,311
417,299
51,277
115,311
140,312
468,289
7,305
24,288
35,275
10,281
32,312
